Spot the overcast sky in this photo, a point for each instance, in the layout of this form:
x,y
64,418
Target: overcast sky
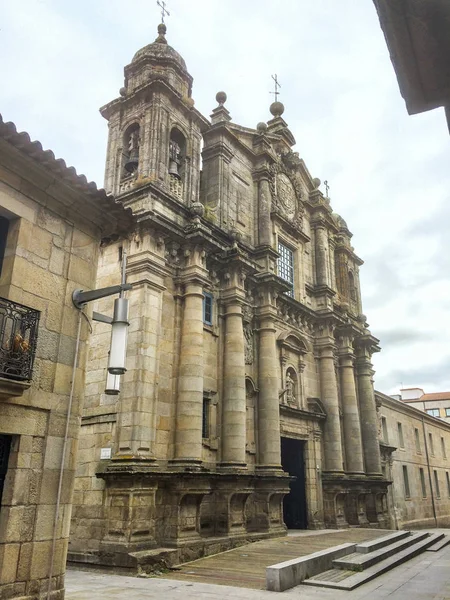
x,y
389,173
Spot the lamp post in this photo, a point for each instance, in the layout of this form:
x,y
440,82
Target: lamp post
x,y
119,325
112,384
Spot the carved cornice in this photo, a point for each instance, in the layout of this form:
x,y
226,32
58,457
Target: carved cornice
x,y
218,149
294,227
299,413
367,344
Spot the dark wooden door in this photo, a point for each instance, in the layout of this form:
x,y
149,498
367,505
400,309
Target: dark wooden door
x,y
5,446
294,503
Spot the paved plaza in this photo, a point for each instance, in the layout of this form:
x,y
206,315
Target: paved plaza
x,y
426,577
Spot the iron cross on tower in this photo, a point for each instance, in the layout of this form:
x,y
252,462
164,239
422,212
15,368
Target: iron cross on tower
x,y
327,187
277,85
164,10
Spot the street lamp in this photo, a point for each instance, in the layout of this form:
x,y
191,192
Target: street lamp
x,y
112,384
119,323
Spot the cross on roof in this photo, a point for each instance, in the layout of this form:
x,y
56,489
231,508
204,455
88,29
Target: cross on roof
x,y
277,85
327,187
164,10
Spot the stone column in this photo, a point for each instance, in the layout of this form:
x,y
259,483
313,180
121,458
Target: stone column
x,y
368,410
234,398
269,445
329,396
321,254
136,418
352,427
138,397
188,433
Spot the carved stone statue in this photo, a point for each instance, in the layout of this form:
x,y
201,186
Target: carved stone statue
x,y
248,335
290,389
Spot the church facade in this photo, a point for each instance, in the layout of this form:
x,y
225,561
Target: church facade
x,y
248,403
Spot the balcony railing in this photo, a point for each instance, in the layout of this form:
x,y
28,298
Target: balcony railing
x,y
18,340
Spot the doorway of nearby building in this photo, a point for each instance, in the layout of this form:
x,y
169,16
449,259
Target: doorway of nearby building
x,y
294,503
5,445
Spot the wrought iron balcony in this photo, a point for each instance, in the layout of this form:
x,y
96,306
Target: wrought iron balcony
x,y
18,340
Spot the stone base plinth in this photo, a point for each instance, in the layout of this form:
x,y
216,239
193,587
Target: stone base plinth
x,y
351,501
152,519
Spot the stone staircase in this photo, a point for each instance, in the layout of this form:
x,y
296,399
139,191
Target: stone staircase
x,y
376,557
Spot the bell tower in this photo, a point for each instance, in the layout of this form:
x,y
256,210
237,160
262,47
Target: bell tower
x,y
154,130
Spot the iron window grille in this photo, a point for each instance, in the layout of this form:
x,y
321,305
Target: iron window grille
x,y
206,418
18,339
286,265
207,308
406,482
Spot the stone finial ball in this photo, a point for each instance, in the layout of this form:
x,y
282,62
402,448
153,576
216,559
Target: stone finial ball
x,y
277,109
261,127
162,29
316,182
221,97
123,91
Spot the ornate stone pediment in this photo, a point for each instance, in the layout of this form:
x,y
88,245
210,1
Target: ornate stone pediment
x,y
287,190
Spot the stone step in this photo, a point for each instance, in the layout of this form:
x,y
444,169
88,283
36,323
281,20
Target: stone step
x,y
440,544
360,562
378,543
352,580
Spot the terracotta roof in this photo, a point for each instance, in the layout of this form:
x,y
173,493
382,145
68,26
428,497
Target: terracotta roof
x,y
58,168
436,396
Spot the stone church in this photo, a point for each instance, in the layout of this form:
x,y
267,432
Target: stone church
x,y
248,405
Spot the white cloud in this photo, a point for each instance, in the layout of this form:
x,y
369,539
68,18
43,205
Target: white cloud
x,y
388,172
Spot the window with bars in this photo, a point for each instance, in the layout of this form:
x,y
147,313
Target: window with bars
x,y
422,483
206,418
384,430
286,265
207,308
406,482
417,438
444,450
436,484
401,441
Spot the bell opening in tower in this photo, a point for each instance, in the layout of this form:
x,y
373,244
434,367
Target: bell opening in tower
x,y
130,153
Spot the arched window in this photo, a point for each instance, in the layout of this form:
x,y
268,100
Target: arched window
x,y
177,154
352,287
131,143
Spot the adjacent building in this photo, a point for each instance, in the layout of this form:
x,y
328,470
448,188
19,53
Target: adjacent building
x,y
51,224
249,356
436,404
416,34
416,458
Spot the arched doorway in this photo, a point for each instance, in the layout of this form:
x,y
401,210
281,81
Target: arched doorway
x,y
294,503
